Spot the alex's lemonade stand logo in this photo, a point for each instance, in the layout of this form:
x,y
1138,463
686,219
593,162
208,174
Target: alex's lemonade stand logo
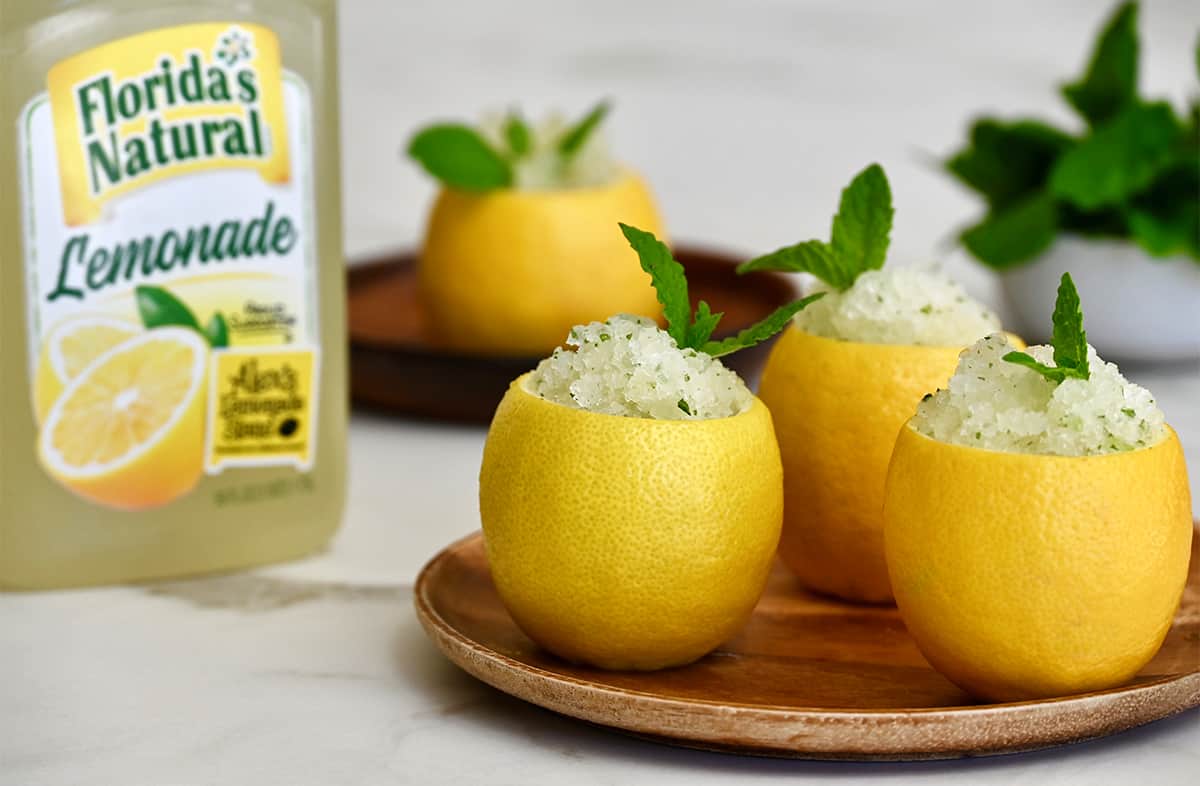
x,y
170,258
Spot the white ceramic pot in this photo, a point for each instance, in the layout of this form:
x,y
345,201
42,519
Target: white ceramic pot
x,y
1135,307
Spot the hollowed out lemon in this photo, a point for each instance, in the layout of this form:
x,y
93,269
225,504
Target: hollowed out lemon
x,y
628,543
1028,576
838,406
510,272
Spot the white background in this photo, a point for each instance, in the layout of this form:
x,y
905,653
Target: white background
x,y
747,116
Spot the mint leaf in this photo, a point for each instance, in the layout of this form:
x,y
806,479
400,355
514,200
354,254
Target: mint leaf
x,y
1049,372
1008,161
761,330
217,331
1069,339
859,238
517,135
811,256
1110,83
1119,159
1168,233
668,279
703,326
460,158
573,141
670,283
1165,218
1014,235
159,308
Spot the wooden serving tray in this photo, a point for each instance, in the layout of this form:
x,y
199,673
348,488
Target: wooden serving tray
x,y
396,366
809,677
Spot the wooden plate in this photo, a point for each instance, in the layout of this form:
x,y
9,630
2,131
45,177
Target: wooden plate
x,y
807,678
395,366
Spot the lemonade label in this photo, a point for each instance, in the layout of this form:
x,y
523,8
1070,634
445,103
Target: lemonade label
x,y
167,183
262,406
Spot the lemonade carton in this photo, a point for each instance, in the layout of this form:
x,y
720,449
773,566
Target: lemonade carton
x,y
171,293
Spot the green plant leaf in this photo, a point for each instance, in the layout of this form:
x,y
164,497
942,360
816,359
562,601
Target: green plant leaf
x,y
575,138
517,135
217,331
1069,339
1168,235
810,256
460,158
668,279
859,238
1006,162
1165,218
1110,83
703,326
1104,222
1014,235
159,308
1049,372
1119,159
670,283
761,330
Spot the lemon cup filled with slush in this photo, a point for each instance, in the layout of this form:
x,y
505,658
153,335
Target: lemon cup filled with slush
x,y
631,490
1038,519
845,376
520,243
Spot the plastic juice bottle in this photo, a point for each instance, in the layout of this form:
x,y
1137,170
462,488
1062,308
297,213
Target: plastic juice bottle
x,y
171,290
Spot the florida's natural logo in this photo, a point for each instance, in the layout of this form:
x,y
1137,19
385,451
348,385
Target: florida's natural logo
x,y
167,105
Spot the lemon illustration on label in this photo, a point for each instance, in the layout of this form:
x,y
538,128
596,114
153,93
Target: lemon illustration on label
x,y
68,349
128,432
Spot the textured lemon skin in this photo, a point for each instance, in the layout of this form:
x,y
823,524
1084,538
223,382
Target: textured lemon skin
x,y
163,473
628,543
838,406
510,272
1024,576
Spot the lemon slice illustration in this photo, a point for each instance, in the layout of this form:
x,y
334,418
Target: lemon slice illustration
x,y
128,431
68,349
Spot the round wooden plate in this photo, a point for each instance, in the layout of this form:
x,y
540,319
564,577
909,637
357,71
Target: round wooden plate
x,y
395,365
807,678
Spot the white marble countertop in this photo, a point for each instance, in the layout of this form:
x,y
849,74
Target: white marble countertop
x,y
746,115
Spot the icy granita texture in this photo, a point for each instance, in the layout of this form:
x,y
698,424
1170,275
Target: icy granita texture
x,y
627,366
544,167
899,306
993,404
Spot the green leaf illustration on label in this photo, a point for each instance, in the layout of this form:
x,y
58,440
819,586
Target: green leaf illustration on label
x,y
159,308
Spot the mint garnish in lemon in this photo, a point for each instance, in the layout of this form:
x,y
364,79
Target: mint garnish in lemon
x,y
858,239
1069,339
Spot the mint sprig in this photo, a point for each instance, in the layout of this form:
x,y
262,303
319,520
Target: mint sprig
x,y
858,242
695,332
1069,339
1134,173
462,158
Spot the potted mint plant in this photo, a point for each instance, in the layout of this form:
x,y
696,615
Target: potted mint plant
x,y
1118,204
